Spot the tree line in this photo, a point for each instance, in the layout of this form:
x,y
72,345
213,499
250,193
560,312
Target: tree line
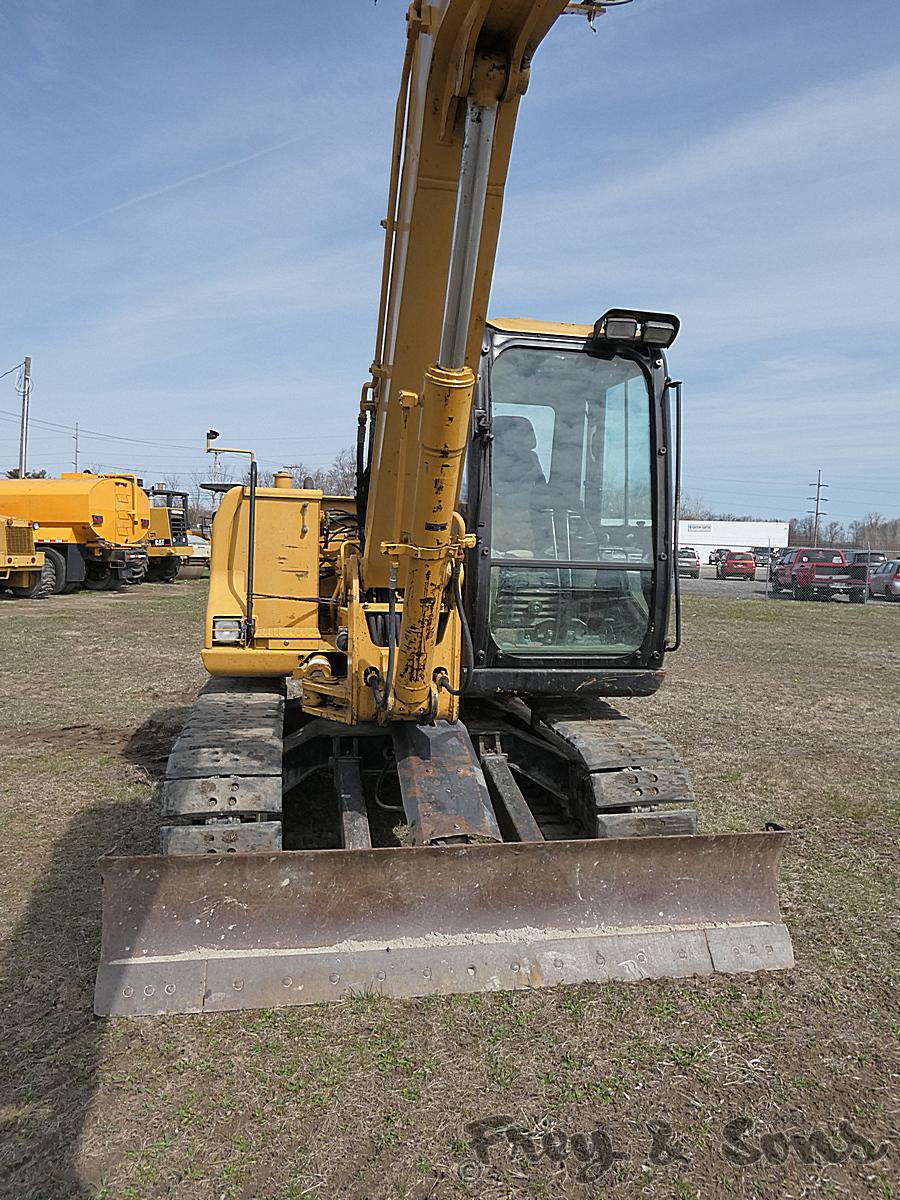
x,y
873,531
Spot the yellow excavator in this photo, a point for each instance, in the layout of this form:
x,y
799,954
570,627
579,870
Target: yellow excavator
x,y
405,775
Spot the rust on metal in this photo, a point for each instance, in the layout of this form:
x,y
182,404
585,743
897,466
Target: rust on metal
x,y
444,793
505,792
257,930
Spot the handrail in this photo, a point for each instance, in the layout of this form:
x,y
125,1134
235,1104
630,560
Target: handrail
x,y
675,384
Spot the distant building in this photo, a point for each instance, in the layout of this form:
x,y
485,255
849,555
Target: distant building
x,y
706,536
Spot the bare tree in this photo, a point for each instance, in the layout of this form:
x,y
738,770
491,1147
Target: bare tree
x,y
337,479
694,508
832,534
340,478
873,530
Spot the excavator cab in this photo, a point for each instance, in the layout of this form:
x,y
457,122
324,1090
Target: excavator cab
x,y
567,494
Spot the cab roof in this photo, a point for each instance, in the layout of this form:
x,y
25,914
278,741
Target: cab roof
x,y
528,325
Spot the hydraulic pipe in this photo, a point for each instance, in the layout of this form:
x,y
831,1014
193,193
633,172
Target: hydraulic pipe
x,y
446,404
675,385
249,623
470,197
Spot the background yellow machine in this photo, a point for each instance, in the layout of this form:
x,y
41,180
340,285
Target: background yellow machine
x,y
405,775
91,528
168,549
23,569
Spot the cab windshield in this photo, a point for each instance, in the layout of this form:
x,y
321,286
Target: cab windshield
x,y
571,496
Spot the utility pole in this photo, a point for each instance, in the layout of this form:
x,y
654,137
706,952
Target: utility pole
x,y
819,501
25,388
76,445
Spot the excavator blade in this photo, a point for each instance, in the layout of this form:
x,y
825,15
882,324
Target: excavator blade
x,y
207,933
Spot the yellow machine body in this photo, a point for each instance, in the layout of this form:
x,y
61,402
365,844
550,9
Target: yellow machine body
x,y
81,509
309,620
20,562
547,838
161,543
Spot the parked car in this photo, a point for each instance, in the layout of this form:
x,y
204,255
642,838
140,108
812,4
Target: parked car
x,y
884,580
736,564
817,573
717,554
688,562
762,554
200,547
867,558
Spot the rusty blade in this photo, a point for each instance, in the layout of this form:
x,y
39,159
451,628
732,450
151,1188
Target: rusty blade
x,y
191,934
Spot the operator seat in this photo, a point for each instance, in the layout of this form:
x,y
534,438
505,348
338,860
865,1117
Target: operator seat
x,y
520,520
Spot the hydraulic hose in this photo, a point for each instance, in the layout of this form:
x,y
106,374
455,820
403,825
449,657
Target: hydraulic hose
x,y
383,697
468,656
362,482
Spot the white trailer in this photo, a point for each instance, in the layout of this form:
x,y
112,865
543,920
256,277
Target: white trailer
x,y
706,536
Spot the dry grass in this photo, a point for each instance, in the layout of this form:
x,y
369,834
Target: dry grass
x,y
786,712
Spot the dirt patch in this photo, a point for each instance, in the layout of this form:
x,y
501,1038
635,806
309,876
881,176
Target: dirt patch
x,y
775,1086
66,737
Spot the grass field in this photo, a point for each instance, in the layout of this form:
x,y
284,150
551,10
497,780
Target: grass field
x,y
785,712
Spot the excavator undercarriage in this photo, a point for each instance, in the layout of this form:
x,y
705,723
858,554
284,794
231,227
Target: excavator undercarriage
x,y
524,846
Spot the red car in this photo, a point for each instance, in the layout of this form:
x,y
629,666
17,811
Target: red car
x,y
736,563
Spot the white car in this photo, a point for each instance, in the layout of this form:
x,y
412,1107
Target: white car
x,y
200,549
688,562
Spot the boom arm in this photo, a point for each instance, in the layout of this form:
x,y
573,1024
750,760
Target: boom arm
x,y
465,69
459,54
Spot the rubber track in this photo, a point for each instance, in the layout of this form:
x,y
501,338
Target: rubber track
x,y
628,767
222,790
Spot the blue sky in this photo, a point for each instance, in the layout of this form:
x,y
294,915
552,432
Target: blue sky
x,y
192,191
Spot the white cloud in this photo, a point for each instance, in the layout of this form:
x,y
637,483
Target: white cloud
x,y
780,222
222,249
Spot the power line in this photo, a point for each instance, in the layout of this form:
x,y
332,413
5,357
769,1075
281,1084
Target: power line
x,y
11,369
112,437
702,484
